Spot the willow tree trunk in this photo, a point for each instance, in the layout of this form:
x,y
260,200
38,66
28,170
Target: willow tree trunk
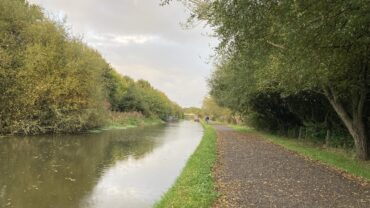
x,y
353,120
359,134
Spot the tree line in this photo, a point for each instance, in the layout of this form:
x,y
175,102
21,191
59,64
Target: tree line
x,y
291,65
126,95
52,82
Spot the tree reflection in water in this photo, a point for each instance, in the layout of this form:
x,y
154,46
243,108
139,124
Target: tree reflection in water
x,y
74,170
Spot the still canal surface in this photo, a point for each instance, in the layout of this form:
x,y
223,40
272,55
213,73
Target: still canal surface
x,y
116,168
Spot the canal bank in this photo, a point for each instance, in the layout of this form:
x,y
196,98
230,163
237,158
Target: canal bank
x,y
127,120
195,186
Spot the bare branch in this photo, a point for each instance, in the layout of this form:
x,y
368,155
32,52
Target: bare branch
x,y
275,45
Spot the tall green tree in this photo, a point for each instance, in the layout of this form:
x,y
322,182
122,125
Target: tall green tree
x,y
291,46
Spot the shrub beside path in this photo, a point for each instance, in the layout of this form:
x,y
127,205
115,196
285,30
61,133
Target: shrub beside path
x,y
251,172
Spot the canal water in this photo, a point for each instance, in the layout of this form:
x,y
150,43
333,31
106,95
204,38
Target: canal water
x,y
117,168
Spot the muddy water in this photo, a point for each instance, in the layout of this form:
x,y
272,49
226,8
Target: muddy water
x,y
116,168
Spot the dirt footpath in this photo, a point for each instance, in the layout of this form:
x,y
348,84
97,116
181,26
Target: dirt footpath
x,y
251,172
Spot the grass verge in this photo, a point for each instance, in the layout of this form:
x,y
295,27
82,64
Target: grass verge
x,y
195,186
336,158
125,120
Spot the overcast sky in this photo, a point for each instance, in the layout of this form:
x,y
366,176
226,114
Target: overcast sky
x,y
144,40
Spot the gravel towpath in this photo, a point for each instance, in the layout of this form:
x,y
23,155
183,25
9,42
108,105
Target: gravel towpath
x,y
251,172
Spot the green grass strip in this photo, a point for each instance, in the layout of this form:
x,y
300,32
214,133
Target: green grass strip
x,y
195,186
333,157
128,124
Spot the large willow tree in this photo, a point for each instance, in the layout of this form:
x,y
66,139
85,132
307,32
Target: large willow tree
x,y
293,46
